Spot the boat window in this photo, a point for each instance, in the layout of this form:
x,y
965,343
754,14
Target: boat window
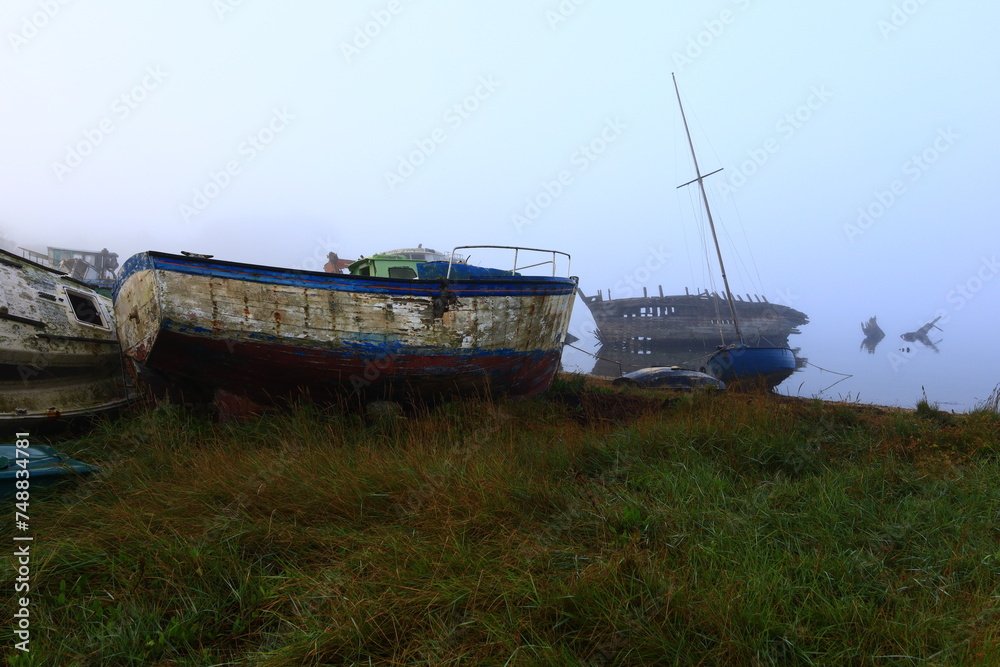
x,y
402,272
85,308
364,271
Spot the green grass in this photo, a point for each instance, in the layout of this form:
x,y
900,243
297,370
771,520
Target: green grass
x,y
590,526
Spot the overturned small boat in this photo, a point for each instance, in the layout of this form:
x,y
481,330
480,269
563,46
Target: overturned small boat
x,y
670,377
41,465
397,325
59,352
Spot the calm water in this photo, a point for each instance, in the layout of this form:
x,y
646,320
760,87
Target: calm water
x,y
960,376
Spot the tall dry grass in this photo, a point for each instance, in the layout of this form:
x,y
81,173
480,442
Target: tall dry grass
x,y
590,526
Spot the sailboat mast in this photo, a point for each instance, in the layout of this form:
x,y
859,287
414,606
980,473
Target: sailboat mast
x,y
708,211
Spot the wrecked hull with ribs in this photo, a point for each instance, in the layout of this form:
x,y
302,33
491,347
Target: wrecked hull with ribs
x,y
196,326
681,319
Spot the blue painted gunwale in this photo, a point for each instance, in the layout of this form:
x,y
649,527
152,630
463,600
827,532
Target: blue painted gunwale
x,y
490,286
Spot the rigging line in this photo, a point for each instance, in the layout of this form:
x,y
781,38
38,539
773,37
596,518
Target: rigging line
x,y
745,274
680,211
620,369
846,375
687,243
704,262
821,391
727,237
746,239
697,214
825,389
705,137
708,275
701,225
732,246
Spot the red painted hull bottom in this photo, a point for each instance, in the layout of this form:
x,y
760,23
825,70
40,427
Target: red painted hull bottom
x,y
200,368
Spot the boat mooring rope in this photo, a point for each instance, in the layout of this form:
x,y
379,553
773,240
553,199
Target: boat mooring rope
x,y
826,370
808,363
613,361
591,354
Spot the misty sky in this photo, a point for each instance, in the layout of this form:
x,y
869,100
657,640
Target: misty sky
x,y
858,141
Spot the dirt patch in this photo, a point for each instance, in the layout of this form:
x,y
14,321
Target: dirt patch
x,y
598,407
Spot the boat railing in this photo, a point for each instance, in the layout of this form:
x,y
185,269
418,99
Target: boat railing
x,y
517,252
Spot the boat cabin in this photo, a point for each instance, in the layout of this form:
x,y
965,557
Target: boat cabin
x,y
406,263
385,266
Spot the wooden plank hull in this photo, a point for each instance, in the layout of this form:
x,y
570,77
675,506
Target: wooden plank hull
x,y
265,332
59,352
688,318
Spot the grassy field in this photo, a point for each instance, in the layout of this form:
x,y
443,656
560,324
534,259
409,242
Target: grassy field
x,y
591,526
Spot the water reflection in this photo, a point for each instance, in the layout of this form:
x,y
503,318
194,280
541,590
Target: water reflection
x,y
632,355
873,335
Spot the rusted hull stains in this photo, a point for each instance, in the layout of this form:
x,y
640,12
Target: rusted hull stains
x,y
264,332
266,370
59,352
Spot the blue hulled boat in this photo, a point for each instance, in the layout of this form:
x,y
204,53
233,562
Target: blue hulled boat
x,y
745,365
393,326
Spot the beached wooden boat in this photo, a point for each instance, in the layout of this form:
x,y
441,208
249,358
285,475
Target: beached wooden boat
x,y
671,320
395,326
59,352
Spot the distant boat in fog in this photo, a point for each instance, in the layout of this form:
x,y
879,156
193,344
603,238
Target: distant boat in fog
x,y
680,319
873,335
920,335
